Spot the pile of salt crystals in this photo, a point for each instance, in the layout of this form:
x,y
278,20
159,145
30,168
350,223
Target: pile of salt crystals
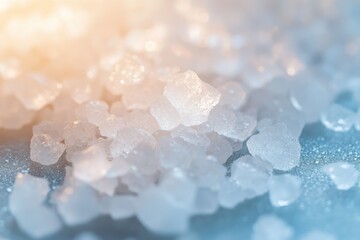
x,y
109,89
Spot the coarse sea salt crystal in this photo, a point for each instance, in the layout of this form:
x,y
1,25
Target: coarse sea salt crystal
x,y
284,189
45,150
277,145
32,216
343,175
192,98
251,173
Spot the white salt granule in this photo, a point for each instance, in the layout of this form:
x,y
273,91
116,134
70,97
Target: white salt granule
x,y
192,98
343,175
284,189
45,150
251,173
277,145
26,203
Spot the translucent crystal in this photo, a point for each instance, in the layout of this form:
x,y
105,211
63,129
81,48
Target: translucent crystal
x,y
185,90
120,207
90,164
232,93
284,189
54,130
219,147
251,173
45,150
338,118
170,219
277,145
344,175
165,114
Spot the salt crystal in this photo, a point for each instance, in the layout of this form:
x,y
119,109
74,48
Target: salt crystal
x,y
338,118
90,164
127,139
170,219
302,96
42,91
219,147
344,175
143,159
187,89
39,221
32,216
27,187
54,130
251,173
270,227
110,125
165,114
284,189
79,134
277,145
206,201
233,94
230,194
77,204
45,150
179,189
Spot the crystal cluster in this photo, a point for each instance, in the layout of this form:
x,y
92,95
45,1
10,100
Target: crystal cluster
x,y
147,100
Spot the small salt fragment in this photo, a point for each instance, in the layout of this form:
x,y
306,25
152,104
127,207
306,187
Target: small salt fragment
x,y
170,219
343,175
45,150
251,173
338,118
191,97
77,204
90,164
318,235
284,189
120,207
137,182
277,145
270,227
191,136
